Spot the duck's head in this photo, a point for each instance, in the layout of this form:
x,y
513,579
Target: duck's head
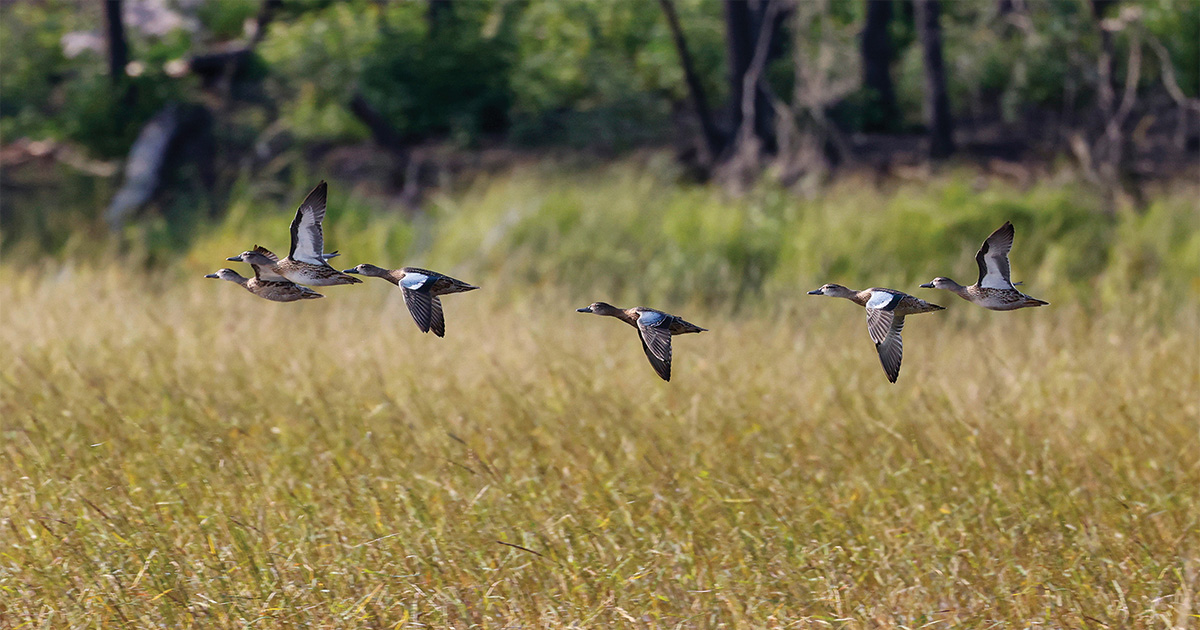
x,y
226,274
367,270
599,308
252,258
940,283
832,290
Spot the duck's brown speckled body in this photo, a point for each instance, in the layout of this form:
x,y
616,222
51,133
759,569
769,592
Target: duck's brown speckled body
x,y
994,289
305,262
274,290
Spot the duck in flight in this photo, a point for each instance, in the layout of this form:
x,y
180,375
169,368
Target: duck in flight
x,y
305,262
281,290
655,329
994,289
886,309
421,288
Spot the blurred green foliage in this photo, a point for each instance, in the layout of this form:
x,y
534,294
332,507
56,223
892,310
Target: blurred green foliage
x,y
449,77
47,95
630,232
575,72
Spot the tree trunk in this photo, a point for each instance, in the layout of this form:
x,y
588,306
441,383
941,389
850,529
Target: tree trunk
x,y
744,28
118,48
876,63
713,140
937,101
437,14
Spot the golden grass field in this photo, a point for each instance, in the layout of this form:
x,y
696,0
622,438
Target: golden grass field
x,y
183,454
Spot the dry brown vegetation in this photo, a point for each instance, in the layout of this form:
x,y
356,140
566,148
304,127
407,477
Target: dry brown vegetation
x,y
187,455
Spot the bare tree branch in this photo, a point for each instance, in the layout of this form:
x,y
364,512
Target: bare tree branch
x,y
118,48
712,137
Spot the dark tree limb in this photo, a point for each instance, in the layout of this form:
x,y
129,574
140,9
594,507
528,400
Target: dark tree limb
x,y
437,13
876,61
401,145
143,166
746,22
752,90
118,47
382,131
713,140
937,100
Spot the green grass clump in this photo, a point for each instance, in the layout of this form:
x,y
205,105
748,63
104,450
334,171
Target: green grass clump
x,y
179,453
632,232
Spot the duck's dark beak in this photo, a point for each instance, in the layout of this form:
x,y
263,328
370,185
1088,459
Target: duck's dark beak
x,y
815,292
353,271
586,309
237,258
212,275
927,285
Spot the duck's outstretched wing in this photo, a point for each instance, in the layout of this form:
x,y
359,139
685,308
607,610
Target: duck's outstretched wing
x,y
437,323
885,328
654,328
264,273
420,302
270,255
992,259
308,240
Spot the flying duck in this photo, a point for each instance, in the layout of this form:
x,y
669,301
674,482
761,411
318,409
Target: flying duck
x,y
305,262
655,329
994,289
421,288
886,309
275,290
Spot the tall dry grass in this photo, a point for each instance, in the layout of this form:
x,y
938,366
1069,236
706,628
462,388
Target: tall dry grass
x,y
184,454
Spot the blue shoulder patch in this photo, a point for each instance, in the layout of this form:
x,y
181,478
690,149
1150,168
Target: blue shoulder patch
x,y
413,281
651,318
884,301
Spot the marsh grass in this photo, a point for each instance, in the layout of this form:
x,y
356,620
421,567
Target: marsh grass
x,y
182,454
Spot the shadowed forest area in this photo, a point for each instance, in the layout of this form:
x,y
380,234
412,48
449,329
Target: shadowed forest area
x,y
163,115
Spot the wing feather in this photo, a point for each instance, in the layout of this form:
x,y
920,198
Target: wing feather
x,y
992,259
661,366
420,306
655,332
885,328
308,240
264,273
437,322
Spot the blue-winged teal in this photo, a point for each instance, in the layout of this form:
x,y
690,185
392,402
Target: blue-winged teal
x,y
994,289
275,290
421,288
654,328
886,309
305,262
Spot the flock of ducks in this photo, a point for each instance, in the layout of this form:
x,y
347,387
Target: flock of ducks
x,y
308,264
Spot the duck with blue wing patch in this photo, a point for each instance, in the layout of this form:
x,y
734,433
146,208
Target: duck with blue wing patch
x,y
994,289
655,329
886,309
421,288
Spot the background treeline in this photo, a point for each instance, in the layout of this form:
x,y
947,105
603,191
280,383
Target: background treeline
x,y
155,118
